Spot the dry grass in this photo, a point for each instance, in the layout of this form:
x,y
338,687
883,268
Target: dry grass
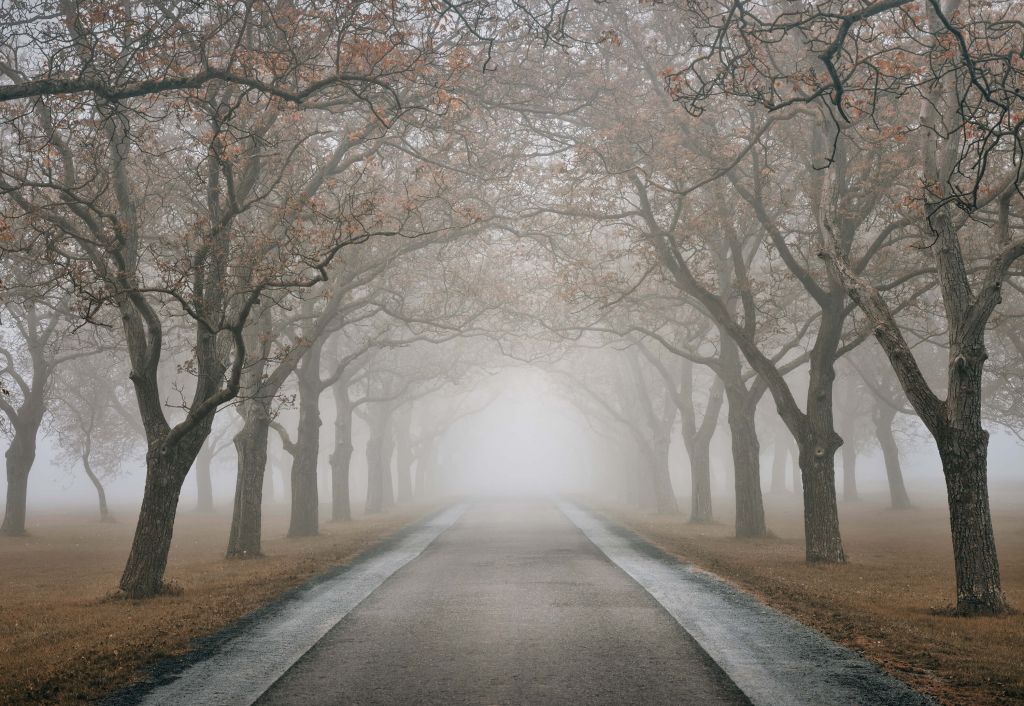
x,y
886,602
62,640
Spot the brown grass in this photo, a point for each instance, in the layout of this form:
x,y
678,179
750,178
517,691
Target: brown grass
x,y
63,640
886,603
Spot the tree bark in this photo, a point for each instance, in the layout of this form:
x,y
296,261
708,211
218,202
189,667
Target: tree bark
x,y
20,456
166,469
341,458
898,497
244,540
305,514
746,453
19,461
964,456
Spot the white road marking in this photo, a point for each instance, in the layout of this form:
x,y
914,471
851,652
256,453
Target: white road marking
x,y
773,659
247,665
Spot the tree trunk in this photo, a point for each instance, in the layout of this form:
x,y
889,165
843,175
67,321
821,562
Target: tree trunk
x,y
18,465
20,456
700,481
204,483
341,459
821,514
305,515
101,494
818,442
746,453
780,454
964,454
166,469
891,454
664,494
403,456
850,472
251,446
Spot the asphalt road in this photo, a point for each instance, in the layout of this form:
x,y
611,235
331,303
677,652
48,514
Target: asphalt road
x,y
511,605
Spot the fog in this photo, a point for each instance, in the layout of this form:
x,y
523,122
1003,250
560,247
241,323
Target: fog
x,y
261,265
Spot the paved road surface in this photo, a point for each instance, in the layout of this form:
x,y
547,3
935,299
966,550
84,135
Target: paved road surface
x,y
512,605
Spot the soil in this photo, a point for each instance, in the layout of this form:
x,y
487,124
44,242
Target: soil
x,y
66,638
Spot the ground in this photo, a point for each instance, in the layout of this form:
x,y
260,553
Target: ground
x,y
63,639
888,602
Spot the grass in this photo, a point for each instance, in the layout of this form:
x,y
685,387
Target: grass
x,y
63,639
889,602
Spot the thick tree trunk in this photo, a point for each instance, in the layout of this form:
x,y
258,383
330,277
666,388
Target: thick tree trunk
x,y
964,456
818,442
305,515
20,456
166,469
780,454
403,452
204,483
850,472
101,494
891,454
18,465
746,456
821,513
341,458
251,445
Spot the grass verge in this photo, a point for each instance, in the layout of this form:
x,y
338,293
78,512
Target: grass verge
x,y
887,602
63,639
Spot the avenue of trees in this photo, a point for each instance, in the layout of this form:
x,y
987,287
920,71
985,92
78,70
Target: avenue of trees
x,y
796,226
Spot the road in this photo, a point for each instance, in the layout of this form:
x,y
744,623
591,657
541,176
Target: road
x,y
511,605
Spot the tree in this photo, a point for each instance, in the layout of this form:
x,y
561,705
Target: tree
x,y
88,422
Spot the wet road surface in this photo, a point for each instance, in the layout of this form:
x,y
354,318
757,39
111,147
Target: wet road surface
x,y
511,605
